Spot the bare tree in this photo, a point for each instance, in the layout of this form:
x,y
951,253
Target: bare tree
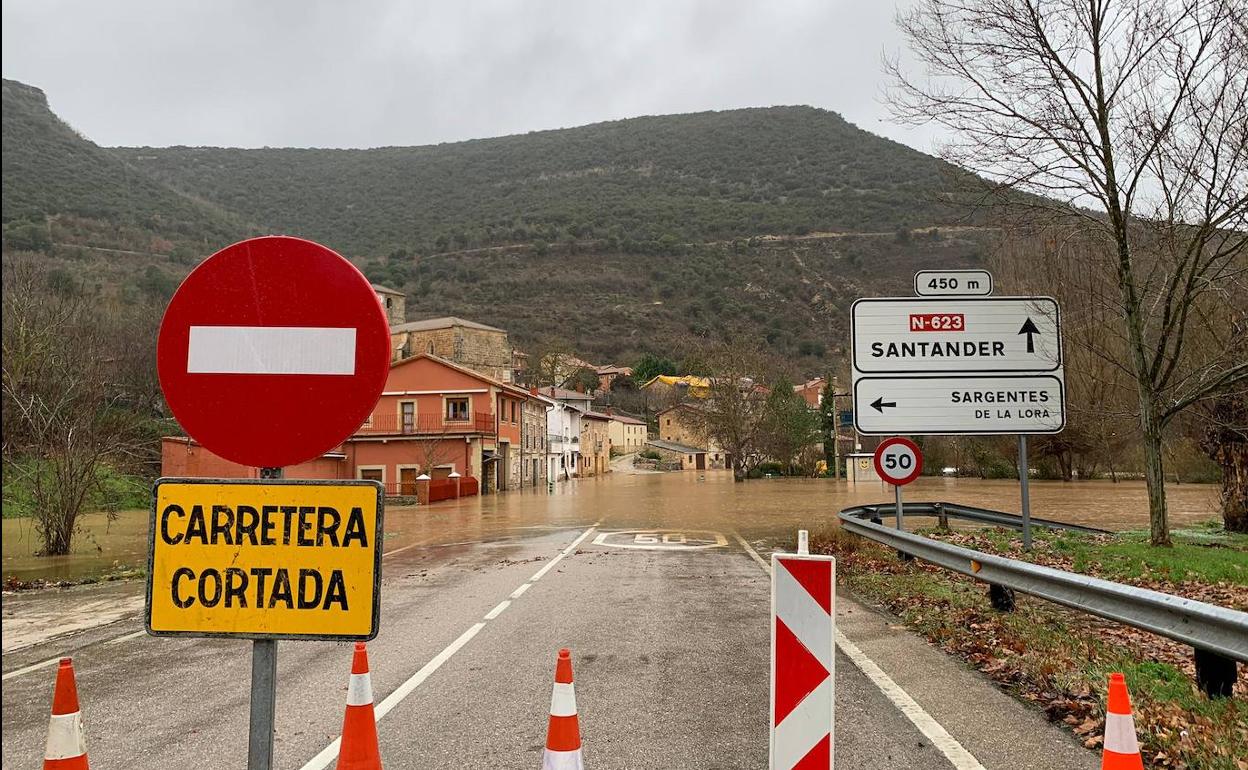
x,y
734,411
66,415
1128,117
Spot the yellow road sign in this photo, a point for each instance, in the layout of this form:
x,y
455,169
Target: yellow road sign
x,y
289,559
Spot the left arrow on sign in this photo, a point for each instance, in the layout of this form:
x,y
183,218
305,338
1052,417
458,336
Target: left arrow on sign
x,y
880,403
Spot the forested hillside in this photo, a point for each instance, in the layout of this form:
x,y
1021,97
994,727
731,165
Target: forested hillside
x,y
612,239
51,171
704,176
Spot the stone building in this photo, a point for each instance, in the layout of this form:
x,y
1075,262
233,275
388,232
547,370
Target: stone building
x,y
394,303
595,444
687,458
473,345
680,433
533,442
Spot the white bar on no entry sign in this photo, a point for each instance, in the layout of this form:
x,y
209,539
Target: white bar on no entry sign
x,y
270,350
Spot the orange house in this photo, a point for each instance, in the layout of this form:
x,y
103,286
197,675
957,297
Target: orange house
x,y
436,417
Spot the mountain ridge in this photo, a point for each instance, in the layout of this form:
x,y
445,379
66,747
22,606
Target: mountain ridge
x,y
610,239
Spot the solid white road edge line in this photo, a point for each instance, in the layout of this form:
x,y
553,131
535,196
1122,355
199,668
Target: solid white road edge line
x,y
330,753
957,755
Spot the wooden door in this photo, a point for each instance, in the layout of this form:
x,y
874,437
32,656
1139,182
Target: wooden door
x,y
407,481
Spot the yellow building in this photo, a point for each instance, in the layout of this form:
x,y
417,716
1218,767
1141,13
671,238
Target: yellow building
x,y
627,434
665,386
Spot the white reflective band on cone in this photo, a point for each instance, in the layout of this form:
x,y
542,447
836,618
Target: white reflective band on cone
x,y
562,760
359,691
563,700
65,738
1120,734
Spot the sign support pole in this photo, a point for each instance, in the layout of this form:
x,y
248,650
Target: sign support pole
x,y
1024,476
900,513
263,689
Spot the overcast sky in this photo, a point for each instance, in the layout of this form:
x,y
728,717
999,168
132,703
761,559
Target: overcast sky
x,y
314,73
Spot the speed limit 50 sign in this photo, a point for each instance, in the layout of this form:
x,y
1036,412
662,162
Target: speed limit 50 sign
x,y
898,461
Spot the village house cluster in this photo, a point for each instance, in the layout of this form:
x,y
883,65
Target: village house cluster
x,y
453,421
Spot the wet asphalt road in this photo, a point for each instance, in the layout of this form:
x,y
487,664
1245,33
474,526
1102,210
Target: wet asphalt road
x,y
670,649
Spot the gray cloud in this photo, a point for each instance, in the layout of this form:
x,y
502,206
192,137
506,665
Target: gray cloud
x,y
393,72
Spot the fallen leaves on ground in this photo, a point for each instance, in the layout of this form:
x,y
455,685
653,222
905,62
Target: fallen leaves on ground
x,y
1055,657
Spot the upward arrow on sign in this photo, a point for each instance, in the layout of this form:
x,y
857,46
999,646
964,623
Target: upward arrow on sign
x,y
1029,328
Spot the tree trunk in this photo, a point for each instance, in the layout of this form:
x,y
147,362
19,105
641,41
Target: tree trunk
x,y
58,530
1155,477
1235,490
1227,444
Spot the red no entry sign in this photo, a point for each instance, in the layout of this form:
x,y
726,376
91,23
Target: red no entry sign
x,y
273,351
898,461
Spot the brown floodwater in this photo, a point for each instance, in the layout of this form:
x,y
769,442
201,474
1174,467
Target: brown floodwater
x,y
669,501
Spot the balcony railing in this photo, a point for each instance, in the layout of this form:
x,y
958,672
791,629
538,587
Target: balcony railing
x,y
426,425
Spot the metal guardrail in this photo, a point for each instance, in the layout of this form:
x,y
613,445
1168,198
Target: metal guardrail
x,y
982,515
1219,630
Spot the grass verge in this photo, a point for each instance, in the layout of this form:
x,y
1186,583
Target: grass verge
x,y
1060,659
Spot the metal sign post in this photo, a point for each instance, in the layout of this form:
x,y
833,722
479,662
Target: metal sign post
x,y
1024,475
263,689
263,704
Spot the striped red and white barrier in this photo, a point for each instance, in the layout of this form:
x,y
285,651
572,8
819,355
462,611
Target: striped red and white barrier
x,y
67,745
803,639
563,735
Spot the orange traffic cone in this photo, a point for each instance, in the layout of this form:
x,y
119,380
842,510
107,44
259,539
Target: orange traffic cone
x,y
563,736
359,749
67,745
1122,752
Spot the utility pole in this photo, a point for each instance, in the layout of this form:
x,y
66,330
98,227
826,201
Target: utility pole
x,y
836,432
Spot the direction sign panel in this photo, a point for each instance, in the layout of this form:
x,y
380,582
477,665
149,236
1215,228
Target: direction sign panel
x,y
966,335
273,351
898,461
947,283
1033,403
265,559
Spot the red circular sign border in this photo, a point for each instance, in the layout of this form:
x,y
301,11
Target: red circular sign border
x,y
321,279
913,447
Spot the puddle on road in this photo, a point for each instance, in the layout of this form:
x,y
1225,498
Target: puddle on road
x,y
670,501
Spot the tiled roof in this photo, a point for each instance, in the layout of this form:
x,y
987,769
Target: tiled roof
x,y
444,322
672,446
386,290
564,393
626,419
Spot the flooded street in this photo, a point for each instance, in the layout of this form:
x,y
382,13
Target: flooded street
x,y
710,501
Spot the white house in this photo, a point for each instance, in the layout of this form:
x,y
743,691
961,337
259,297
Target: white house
x,y
563,439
